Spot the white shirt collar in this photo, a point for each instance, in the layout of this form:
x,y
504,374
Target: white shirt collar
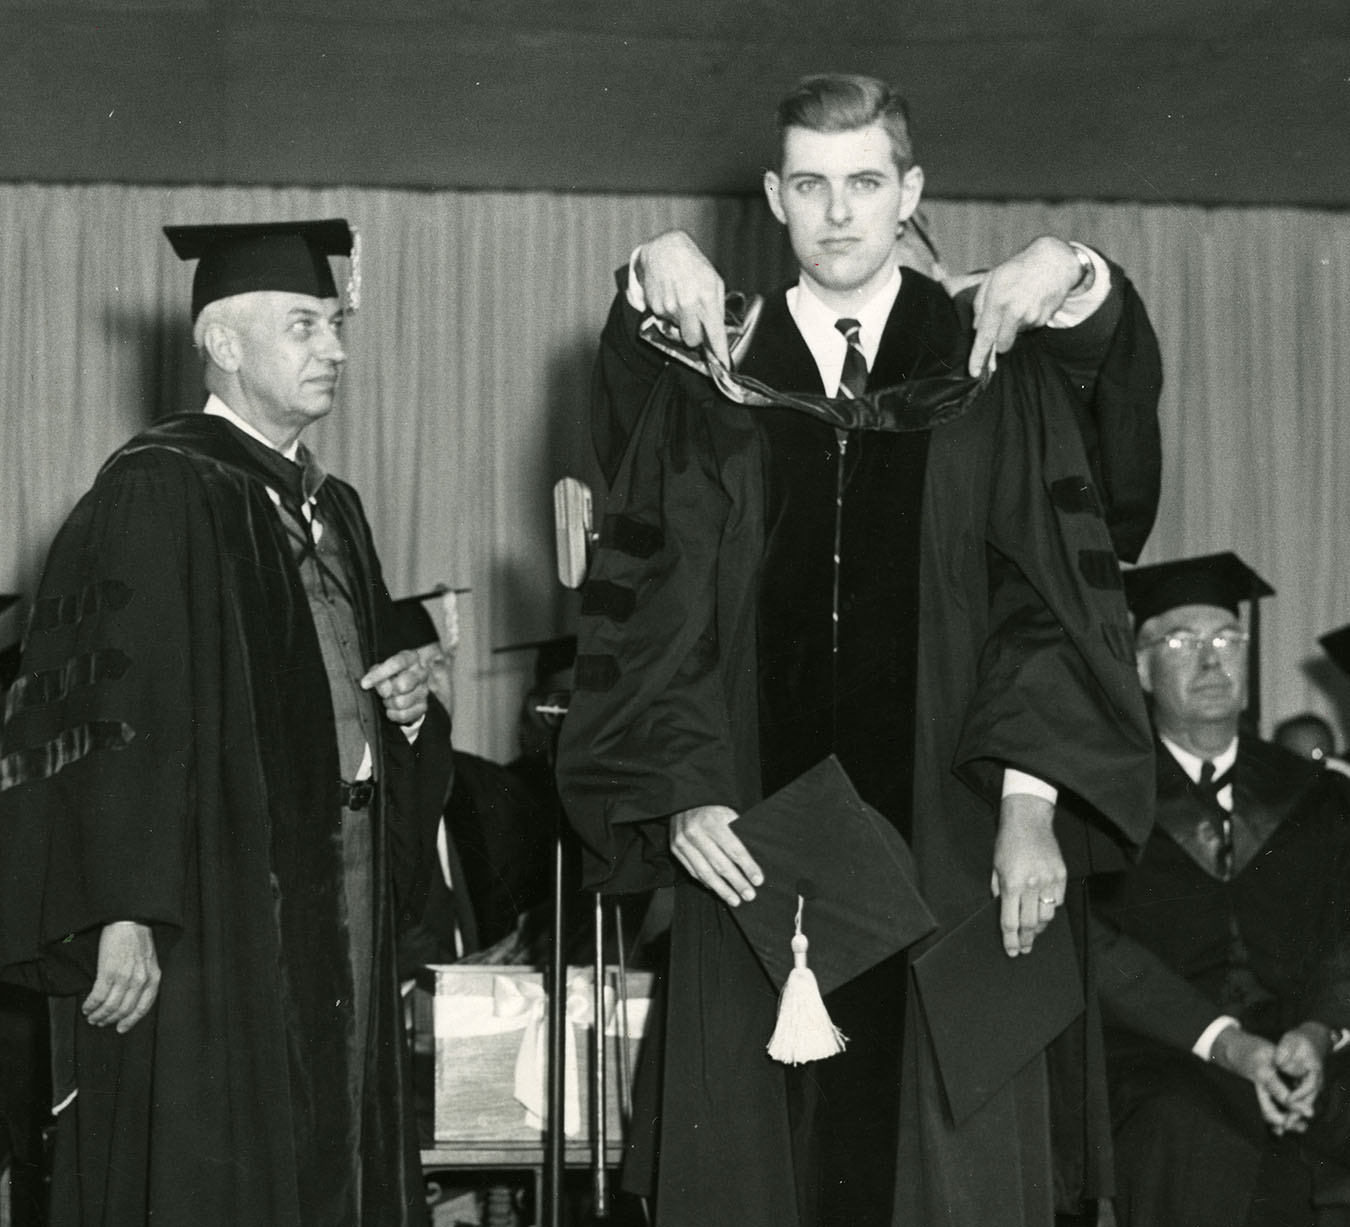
x,y
218,408
1191,763
815,321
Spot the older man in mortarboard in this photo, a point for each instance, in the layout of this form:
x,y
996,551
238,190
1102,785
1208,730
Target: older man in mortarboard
x,y
209,761
1225,955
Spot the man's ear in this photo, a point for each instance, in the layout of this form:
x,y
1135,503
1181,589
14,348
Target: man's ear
x,y
220,343
773,187
911,191
1145,674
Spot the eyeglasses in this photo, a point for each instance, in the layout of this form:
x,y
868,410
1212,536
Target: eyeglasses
x,y
1188,643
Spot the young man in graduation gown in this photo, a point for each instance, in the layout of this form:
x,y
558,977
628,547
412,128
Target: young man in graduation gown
x,y
207,756
910,569
1225,954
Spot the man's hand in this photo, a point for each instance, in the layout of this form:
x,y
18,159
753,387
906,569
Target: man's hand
x,y
1252,1057
127,980
1021,293
682,287
1029,873
1301,1058
703,843
440,667
401,681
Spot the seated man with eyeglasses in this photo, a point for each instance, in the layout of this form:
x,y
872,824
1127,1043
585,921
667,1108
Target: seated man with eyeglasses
x,y
1224,956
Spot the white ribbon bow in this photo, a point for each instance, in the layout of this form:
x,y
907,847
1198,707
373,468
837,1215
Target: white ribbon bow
x,y
526,1000
521,1004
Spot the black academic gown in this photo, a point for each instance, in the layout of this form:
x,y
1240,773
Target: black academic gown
x,y
170,757
980,624
1271,947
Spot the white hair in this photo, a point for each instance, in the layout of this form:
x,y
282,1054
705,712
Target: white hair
x,y
225,311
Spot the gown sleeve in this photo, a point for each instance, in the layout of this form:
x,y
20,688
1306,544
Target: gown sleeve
x,y
663,623
1057,695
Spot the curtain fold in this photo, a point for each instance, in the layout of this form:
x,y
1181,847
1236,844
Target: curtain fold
x,y
469,365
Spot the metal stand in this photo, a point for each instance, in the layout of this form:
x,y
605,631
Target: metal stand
x,y
557,1021
574,539
599,1170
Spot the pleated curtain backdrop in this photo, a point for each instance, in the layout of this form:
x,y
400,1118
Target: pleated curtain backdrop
x,y
469,363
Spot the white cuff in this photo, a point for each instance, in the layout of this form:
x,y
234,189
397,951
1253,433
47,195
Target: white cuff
x,y
1205,1044
410,731
1015,781
1078,306
636,298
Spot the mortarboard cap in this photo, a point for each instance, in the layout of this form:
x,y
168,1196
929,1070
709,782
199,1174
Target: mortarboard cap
x,y
980,1049
9,646
1212,579
10,658
412,626
551,655
818,839
1336,644
238,258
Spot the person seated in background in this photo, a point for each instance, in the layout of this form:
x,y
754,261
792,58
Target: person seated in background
x,y
494,826
1223,958
1336,644
1308,735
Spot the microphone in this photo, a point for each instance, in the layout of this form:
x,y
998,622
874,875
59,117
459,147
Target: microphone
x,y
573,534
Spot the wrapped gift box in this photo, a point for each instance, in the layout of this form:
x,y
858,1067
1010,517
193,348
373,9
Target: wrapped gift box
x,y
491,1044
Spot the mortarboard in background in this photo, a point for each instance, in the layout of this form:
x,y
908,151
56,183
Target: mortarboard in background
x,y
1209,579
10,637
552,655
238,258
413,624
1336,644
1038,995
817,838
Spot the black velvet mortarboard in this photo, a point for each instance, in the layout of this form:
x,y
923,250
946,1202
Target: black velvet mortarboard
x,y
816,838
238,258
1211,579
979,1048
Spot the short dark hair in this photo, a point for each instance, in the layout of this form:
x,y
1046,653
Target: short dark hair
x,y
843,102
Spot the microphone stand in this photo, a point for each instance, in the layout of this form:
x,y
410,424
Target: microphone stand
x,y
574,538
556,983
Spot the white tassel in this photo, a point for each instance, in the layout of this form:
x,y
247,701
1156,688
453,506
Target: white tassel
x,y
804,1031
353,294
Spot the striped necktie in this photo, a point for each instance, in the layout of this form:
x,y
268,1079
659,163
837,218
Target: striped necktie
x,y
853,378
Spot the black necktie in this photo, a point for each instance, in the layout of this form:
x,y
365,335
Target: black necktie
x,y
1223,828
1240,989
853,379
